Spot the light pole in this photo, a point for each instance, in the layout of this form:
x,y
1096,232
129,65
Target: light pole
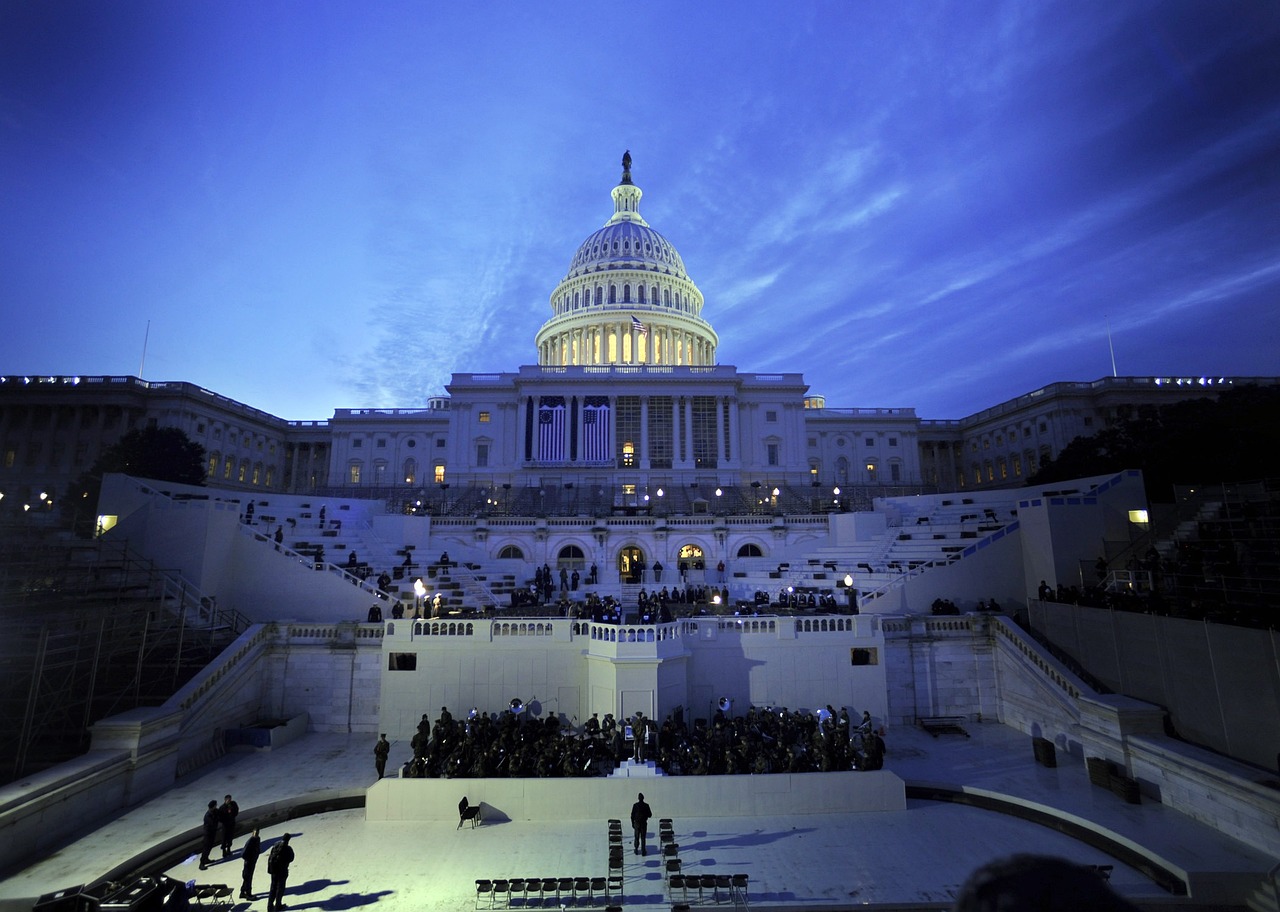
x,y
419,591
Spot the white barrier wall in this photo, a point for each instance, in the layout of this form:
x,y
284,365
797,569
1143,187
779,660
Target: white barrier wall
x,y
575,668
669,796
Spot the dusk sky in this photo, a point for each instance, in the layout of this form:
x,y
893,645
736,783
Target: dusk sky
x,y
324,205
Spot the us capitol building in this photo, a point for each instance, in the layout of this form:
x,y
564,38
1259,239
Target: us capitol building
x,y
809,543
627,407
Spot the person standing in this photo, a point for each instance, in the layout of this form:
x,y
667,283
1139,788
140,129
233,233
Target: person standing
x,y
252,849
278,867
381,750
640,815
227,815
210,834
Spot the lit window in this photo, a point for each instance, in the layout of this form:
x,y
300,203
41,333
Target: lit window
x,y
354,473
484,417
629,489
1017,465
439,474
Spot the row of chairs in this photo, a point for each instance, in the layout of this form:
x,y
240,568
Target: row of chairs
x,y
558,891
716,888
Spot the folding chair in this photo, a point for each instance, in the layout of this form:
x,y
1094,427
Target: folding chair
x,y
518,887
581,888
613,888
671,850
501,890
564,885
597,888
738,889
676,882
484,891
707,882
723,882
549,885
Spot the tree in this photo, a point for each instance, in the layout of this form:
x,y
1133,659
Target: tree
x,y
158,453
1196,441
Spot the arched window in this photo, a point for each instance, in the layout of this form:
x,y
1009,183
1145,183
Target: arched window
x,y
626,294
750,550
571,558
640,292
510,552
410,470
613,294
599,294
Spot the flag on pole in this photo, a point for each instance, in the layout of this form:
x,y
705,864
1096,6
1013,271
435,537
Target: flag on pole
x,y
638,326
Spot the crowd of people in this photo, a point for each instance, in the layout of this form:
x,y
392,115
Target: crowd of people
x,y
513,744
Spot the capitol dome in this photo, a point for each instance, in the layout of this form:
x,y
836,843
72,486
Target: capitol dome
x,y
626,298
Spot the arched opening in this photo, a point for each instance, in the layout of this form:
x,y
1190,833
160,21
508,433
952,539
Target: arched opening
x,y
750,550
691,558
510,552
631,564
571,558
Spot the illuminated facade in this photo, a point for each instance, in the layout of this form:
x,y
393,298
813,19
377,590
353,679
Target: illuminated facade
x,y
626,399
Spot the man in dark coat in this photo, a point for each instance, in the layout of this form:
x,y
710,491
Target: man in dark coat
x,y
640,815
380,752
252,849
278,867
227,815
210,834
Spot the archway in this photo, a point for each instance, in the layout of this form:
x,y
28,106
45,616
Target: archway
x,y
571,558
692,558
631,564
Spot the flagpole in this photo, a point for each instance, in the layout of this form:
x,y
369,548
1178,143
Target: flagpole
x,y
1112,347
143,363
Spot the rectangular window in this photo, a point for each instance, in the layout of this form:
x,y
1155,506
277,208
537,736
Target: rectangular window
x,y
482,455
357,443
1017,465
10,457
871,441
484,417
353,473
705,455
439,442
864,656
626,430
402,661
893,441
895,472
772,458
226,468
661,433
770,415
439,474
382,443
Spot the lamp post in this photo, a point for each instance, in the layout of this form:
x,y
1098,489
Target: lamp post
x,y
419,590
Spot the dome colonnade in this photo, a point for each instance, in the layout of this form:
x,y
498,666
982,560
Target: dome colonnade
x,y
626,298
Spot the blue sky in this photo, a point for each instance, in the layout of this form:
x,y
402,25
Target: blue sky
x,y
323,205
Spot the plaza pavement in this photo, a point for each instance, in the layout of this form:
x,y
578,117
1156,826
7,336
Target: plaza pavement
x,y
916,858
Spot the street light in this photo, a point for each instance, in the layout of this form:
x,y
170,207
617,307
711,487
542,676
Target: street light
x,y
419,591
